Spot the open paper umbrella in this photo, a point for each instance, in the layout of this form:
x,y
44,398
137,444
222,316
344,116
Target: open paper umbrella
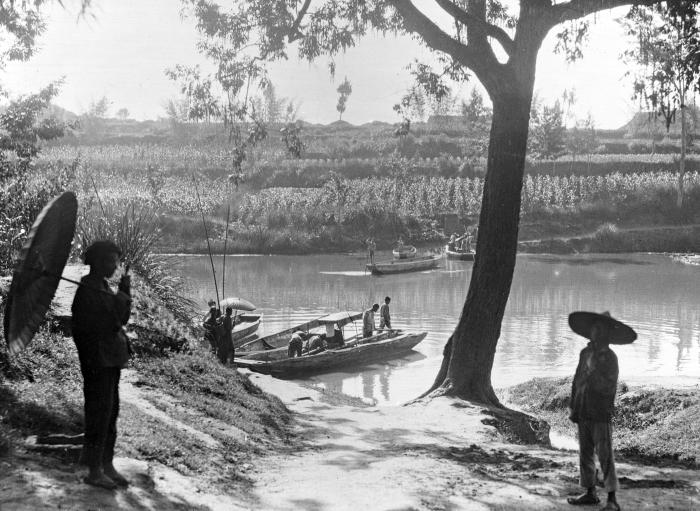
x,y
240,304
39,270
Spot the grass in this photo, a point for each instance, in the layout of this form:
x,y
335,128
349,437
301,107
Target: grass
x,y
221,392
654,424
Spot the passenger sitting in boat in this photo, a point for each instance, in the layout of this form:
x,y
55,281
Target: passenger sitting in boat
x,y
368,321
452,242
296,344
337,340
317,344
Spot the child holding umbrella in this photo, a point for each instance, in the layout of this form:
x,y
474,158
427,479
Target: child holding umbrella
x,y
98,318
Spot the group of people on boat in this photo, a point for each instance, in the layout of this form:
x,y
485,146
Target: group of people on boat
x,y
464,242
218,331
306,343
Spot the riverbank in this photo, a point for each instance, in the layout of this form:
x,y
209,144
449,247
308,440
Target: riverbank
x,y
654,424
553,233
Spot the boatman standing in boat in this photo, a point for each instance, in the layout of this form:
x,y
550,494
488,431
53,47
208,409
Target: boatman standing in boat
x,y
384,317
371,247
368,321
592,401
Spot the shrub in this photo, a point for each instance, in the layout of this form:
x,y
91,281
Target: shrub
x,y
135,230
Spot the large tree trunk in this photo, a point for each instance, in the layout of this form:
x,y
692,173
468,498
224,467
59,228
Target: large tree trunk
x,y
475,338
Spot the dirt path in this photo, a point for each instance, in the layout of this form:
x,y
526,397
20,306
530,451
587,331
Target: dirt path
x,y
431,456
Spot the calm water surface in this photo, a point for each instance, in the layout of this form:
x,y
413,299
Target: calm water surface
x,y
658,297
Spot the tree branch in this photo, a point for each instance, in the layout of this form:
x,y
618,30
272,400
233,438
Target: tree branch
x,y
484,65
575,9
476,24
294,32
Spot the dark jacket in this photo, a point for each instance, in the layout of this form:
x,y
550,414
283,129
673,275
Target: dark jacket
x,y
97,323
595,384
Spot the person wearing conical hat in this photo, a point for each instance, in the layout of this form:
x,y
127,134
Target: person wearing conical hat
x,y
592,401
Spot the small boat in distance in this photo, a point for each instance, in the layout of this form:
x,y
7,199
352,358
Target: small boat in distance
x,y
459,255
404,252
404,265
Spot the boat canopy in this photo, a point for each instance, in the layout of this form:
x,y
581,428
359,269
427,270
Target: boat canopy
x,y
341,318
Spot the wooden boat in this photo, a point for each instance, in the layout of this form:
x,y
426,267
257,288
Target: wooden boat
x,y
281,338
357,350
459,255
404,265
248,325
404,252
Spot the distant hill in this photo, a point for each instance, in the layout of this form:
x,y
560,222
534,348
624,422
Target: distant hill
x,y
644,124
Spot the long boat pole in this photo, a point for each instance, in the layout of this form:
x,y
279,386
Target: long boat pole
x,y
206,234
223,273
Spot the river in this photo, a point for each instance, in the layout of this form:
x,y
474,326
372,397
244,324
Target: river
x,y
654,294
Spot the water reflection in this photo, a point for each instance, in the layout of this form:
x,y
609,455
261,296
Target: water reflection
x,y
655,295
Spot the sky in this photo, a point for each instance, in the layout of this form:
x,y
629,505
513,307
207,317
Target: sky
x,y
123,49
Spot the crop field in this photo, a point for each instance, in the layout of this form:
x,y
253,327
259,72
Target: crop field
x,y
421,197
215,160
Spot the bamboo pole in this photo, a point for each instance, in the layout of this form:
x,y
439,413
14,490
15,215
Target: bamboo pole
x,y
206,234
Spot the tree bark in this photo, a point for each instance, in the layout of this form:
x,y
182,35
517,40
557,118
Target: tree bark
x,y
681,165
476,336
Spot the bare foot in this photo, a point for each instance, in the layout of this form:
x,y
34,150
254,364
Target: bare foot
x,y
115,476
101,481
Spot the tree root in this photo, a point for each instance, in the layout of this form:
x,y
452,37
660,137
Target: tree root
x,y
518,427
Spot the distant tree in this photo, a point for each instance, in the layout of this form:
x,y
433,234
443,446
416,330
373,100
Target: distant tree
x,y
198,90
444,105
177,110
667,56
123,113
475,113
273,106
98,109
568,100
291,134
344,90
547,131
582,139
410,107
291,111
